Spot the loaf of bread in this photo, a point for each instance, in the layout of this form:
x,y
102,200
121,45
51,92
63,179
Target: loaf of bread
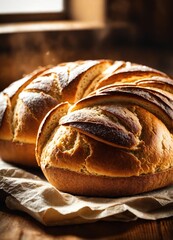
x,y
95,127
25,102
117,140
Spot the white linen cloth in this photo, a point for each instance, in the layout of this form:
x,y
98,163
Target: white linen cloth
x,y
34,195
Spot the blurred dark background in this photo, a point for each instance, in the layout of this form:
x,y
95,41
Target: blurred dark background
x,y
140,31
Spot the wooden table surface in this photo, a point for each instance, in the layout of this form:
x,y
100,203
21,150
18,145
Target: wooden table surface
x,y
15,225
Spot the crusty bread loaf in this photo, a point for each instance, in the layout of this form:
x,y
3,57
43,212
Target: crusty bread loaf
x,y
98,128
117,140
25,102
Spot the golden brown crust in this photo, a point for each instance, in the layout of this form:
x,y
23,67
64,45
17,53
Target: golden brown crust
x,y
107,130
90,185
120,135
5,118
47,126
25,102
85,73
18,153
75,148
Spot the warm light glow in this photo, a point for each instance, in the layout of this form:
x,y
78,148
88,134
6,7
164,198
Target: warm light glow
x,y
30,6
